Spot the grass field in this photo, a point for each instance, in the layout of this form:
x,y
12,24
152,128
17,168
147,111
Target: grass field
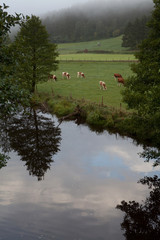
x,y
110,45
95,70
96,57
88,88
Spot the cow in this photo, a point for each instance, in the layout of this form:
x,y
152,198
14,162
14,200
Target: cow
x,y
120,80
80,74
117,75
51,76
102,85
66,74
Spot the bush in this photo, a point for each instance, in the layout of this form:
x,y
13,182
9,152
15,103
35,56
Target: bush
x,y
63,108
95,119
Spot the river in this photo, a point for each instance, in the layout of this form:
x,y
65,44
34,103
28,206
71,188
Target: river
x,y
64,181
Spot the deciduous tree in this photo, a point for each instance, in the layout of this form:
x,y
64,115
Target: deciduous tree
x,y
142,91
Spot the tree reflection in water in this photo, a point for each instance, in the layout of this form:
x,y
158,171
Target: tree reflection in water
x,y
35,138
142,221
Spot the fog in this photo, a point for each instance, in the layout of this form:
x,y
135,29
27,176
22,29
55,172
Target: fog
x,y
40,8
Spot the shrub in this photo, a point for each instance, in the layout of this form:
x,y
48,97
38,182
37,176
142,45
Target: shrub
x,y
96,119
63,108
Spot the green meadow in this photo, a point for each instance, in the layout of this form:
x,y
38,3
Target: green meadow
x,y
96,57
96,67
108,45
88,88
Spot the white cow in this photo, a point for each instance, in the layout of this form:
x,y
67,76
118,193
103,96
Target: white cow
x,y
102,85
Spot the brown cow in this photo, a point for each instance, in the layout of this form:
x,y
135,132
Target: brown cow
x,y
102,85
51,76
117,75
120,80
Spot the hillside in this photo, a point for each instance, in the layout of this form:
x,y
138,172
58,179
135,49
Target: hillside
x,y
111,45
100,20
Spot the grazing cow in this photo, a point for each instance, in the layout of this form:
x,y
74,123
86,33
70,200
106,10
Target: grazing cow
x,y
66,74
80,74
117,75
120,80
102,85
51,76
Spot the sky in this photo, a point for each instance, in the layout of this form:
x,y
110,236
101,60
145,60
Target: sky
x,y
40,7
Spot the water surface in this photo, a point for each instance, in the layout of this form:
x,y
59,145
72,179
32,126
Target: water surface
x,y
64,182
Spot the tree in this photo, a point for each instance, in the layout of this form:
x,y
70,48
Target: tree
x,y
11,95
135,33
35,55
142,91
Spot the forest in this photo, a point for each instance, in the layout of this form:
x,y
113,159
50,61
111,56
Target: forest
x,y
86,22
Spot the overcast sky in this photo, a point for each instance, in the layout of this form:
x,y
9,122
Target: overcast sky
x,y
39,7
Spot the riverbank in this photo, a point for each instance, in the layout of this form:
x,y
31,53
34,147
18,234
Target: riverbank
x,y
97,117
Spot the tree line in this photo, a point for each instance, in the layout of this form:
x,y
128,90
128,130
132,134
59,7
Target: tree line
x,y
76,25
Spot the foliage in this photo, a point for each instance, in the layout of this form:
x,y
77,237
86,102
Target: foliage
x,y
63,108
96,119
12,97
35,55
135,33
11,94
6,59
3,160
142,221
142,91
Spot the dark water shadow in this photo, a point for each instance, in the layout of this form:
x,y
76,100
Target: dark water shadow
x,y
35,139
142,220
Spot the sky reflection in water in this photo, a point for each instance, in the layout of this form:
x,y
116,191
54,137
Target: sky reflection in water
x,y
90,175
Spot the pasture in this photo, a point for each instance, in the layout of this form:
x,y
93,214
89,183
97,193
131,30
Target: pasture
x,y
111,45
88,88
96,57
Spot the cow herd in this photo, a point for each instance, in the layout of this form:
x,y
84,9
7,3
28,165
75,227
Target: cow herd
x,y
118,77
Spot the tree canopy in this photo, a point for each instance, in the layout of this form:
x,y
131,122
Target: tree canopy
x,y
35,55
142,91
135,33
11,95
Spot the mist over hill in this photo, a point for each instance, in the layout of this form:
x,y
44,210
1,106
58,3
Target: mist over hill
x,y
94,20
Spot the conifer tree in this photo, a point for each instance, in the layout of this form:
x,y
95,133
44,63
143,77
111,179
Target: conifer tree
x,y
35,55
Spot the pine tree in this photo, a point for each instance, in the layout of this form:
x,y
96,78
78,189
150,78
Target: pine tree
x,y
35,55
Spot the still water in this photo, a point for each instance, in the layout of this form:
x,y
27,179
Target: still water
x,y
64,181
